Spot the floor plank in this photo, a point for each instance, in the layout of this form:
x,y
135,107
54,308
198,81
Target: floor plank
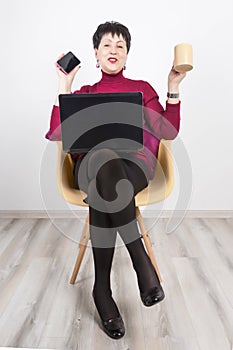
x,y
203,310
21,312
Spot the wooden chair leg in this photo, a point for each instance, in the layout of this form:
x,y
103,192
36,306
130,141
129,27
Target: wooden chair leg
x,y
147,242
82,248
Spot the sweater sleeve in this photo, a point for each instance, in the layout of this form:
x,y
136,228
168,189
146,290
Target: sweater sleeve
x,y
164,123
54,132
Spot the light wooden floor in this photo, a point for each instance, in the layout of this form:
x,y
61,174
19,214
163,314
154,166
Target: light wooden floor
x,y
40,309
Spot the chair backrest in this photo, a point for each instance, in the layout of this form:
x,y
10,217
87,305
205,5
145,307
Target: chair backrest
x,y
158,189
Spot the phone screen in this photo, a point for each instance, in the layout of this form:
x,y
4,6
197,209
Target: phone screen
x,y
68,62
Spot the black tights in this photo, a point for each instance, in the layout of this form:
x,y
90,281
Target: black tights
x,y
111,182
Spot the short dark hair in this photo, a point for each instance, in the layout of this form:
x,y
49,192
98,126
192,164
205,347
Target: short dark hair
x,y
113,28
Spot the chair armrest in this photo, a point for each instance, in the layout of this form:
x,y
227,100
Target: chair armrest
x,y
59,168
166,162
65,178
165,156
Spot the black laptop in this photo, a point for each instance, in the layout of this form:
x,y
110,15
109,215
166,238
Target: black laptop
x,y
101,120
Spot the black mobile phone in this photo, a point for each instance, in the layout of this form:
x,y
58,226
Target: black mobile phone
x,y
68,62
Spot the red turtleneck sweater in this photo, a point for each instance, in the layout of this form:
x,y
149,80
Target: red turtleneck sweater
x,y
157,123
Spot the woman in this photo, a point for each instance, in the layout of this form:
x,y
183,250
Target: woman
x,y
111,43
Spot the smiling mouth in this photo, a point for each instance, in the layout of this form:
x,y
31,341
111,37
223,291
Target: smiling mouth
x,y
112,60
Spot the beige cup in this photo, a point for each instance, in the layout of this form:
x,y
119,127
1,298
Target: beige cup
x,y
183,57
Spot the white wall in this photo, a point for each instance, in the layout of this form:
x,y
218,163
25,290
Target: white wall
x,y
34,33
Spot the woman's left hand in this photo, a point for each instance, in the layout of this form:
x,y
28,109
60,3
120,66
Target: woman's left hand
x,y
174,77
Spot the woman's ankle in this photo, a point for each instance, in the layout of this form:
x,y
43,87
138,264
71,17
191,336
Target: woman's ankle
x,y
105,304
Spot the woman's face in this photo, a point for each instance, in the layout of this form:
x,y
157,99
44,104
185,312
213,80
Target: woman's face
x,y
111,53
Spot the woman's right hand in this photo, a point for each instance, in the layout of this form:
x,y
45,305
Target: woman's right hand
x,y
65,80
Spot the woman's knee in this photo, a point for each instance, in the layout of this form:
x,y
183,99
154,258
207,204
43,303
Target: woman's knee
x,y
99,158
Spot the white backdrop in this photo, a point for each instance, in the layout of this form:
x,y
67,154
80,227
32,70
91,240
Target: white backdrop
x,y
34,33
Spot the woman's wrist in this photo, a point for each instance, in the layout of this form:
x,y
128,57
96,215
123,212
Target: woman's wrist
x,y
173,100
64,85
64,88
173,93
61,91
173,88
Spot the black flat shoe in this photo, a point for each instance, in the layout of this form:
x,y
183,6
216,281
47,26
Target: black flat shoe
x,y
153,297
114,327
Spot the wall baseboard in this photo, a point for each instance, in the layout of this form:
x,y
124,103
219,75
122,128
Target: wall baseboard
x,y
59,214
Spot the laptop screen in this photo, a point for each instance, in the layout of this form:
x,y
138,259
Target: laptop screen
x,y
101,120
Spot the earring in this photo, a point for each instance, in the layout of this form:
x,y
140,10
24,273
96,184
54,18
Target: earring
x,y
124,67
97,64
